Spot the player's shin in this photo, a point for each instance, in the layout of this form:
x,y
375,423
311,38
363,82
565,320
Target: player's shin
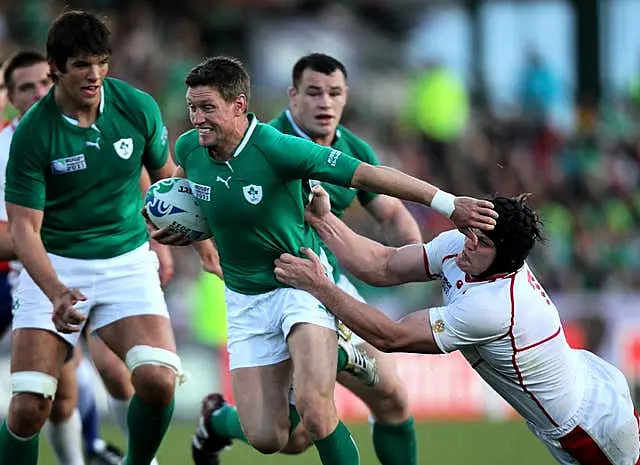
x,y
339,448
395,444
150,424
226,423
15,450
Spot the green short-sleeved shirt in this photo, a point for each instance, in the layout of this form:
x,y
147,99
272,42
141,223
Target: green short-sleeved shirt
x,y
254,203
86,180
341,197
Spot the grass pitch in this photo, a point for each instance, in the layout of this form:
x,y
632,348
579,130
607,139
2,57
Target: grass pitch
x,y
450,443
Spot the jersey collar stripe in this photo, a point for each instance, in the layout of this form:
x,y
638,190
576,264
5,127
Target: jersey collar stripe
x,y
247,135
299,130
74,121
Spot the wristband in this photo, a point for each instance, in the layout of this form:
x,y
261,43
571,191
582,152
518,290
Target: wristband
x,y
444,203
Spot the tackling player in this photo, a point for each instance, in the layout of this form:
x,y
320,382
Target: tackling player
x,y
499,317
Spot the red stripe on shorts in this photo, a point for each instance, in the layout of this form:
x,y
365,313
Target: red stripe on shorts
x,y
579,445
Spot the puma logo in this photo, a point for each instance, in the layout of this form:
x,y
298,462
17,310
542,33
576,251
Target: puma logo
x,y
95,144
224,181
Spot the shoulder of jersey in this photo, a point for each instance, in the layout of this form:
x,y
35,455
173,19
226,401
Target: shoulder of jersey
x,y
187,141
356,143
279,122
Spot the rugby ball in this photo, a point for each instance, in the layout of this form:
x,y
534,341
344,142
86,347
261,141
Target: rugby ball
x,y
170,203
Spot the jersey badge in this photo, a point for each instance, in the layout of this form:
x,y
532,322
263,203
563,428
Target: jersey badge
x,y
437,326
252,193
68,164
124,148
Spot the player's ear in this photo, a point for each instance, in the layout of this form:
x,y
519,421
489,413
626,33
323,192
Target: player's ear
x,y
292,91
241,104
55,72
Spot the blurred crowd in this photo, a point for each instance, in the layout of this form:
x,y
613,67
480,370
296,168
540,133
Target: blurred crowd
x,y
425,121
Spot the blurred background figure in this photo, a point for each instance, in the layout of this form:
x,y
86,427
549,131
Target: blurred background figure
x,y
480,97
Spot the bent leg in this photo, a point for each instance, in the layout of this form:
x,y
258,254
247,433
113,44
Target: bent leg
x,y
36,359
313,351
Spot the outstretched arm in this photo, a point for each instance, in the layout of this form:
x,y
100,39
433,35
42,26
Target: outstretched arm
x,y
411,334
465,212
366,259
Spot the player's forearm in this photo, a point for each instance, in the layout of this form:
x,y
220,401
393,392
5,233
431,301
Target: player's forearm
x,y
209,257
367,322
401,228
389,181
364,258
6,245
30,251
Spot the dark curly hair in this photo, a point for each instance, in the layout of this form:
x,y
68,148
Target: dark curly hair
x,y
516,232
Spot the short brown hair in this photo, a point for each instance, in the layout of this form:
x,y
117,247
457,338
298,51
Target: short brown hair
x,y
226,74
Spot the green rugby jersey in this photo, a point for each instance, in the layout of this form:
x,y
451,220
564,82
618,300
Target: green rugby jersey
x,y
254,203
86,180
341,197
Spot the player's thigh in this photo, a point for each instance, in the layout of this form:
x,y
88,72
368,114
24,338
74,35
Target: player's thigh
x,y
114,373
311,337
387,400
261,394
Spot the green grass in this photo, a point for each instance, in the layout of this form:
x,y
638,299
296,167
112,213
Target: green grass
x,y
481,443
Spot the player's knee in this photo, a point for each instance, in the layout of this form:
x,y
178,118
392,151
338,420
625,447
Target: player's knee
x,y
31,402
298,442
317,412
390,403
268,442
154,371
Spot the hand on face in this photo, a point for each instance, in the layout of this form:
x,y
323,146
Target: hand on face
x,y
473,213
301,273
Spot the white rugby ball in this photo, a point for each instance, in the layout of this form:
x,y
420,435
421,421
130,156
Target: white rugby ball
x,y
171,203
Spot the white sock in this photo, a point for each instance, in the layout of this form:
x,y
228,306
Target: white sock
x,y
118,409
66,439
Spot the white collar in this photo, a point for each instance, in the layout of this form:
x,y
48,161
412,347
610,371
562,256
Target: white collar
x,y
247,135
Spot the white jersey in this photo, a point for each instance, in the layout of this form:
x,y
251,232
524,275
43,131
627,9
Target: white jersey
x,y
510,332
5,143
15,267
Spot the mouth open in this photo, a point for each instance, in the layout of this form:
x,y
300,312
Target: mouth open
x,y
90,91
324,118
